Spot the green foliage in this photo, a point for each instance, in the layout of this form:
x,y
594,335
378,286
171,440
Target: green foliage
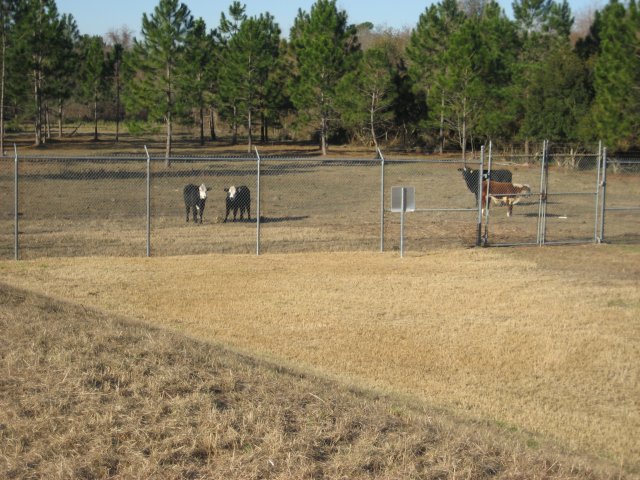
x,y
617,76
468,73
325,47
366,94
156,60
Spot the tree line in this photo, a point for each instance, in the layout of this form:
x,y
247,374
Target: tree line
x,y
463,75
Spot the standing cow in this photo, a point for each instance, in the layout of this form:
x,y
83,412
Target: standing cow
x,y
238,198
503,193
471,177
194,199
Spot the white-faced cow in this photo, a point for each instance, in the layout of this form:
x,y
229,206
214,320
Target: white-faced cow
x,y
471,177
194,199
238,198
504,193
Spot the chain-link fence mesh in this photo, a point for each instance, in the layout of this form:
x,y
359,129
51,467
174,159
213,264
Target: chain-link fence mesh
x,y
6,208
85,206
621,222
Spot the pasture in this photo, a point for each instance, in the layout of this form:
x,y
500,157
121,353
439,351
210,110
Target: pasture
x,y
82,206
529,356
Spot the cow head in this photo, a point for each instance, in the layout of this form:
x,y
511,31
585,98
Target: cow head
x,y
231,192
203,191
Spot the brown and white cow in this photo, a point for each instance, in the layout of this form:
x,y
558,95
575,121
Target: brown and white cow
x,y
504,193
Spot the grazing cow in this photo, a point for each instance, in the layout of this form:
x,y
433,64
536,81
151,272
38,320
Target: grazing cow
x,y
194,199
504,193
238,198
471,177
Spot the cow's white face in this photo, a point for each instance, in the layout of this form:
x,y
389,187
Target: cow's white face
x,y
203,191
232,191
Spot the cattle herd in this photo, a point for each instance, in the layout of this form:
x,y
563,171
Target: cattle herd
x,y
237,199
497,185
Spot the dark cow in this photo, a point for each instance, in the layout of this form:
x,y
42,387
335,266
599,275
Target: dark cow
x,y
471,177
194,199
238,198
503,193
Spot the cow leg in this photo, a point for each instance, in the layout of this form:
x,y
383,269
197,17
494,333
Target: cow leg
x,y
509,208
235,212
226,215
249,211
187,213
195,214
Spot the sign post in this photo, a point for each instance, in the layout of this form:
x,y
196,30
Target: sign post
x,y
403,199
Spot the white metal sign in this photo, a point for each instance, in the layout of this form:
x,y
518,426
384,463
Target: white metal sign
x,y
403,199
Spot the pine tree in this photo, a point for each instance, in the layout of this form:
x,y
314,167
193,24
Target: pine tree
x,y
248,58
38,28
93,75
426,50
366,95
617,76
156,59
197,74
7,17
325,47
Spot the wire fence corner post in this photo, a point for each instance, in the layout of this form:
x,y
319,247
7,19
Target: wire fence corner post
x,y
148,202
542,205
596,236
485,238
16,245
257,201
381,200
479,199
604,192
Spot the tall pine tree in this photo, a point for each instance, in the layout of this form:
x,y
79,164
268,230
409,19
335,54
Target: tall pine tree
x,y
325,47
617,76
157,58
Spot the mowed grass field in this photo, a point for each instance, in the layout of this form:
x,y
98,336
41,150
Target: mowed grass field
x,y
527,359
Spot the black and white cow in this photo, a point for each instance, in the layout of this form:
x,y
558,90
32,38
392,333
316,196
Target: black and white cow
x,y
238,198
194,199
471,177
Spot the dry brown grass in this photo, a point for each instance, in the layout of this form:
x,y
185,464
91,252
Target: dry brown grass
x,y
542,342
88,395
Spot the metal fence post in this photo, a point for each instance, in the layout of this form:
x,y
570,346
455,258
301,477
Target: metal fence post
x,y
596,237
479,197
257,202
148,202
604,192
485,238
542,205
381,200
15,205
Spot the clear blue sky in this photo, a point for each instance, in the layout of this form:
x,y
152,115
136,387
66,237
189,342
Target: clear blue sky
x,y
97,18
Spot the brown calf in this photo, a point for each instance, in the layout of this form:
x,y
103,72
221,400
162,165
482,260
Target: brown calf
x,y
504,193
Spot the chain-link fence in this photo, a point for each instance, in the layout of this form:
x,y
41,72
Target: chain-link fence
x,y
621,199
133,205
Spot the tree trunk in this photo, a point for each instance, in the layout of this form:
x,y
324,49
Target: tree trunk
x,y
372,120
117,102
167,154
249,133
60,116
2,79
323,135
38,108
95,120
441,133
201,120
234,135
212,124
